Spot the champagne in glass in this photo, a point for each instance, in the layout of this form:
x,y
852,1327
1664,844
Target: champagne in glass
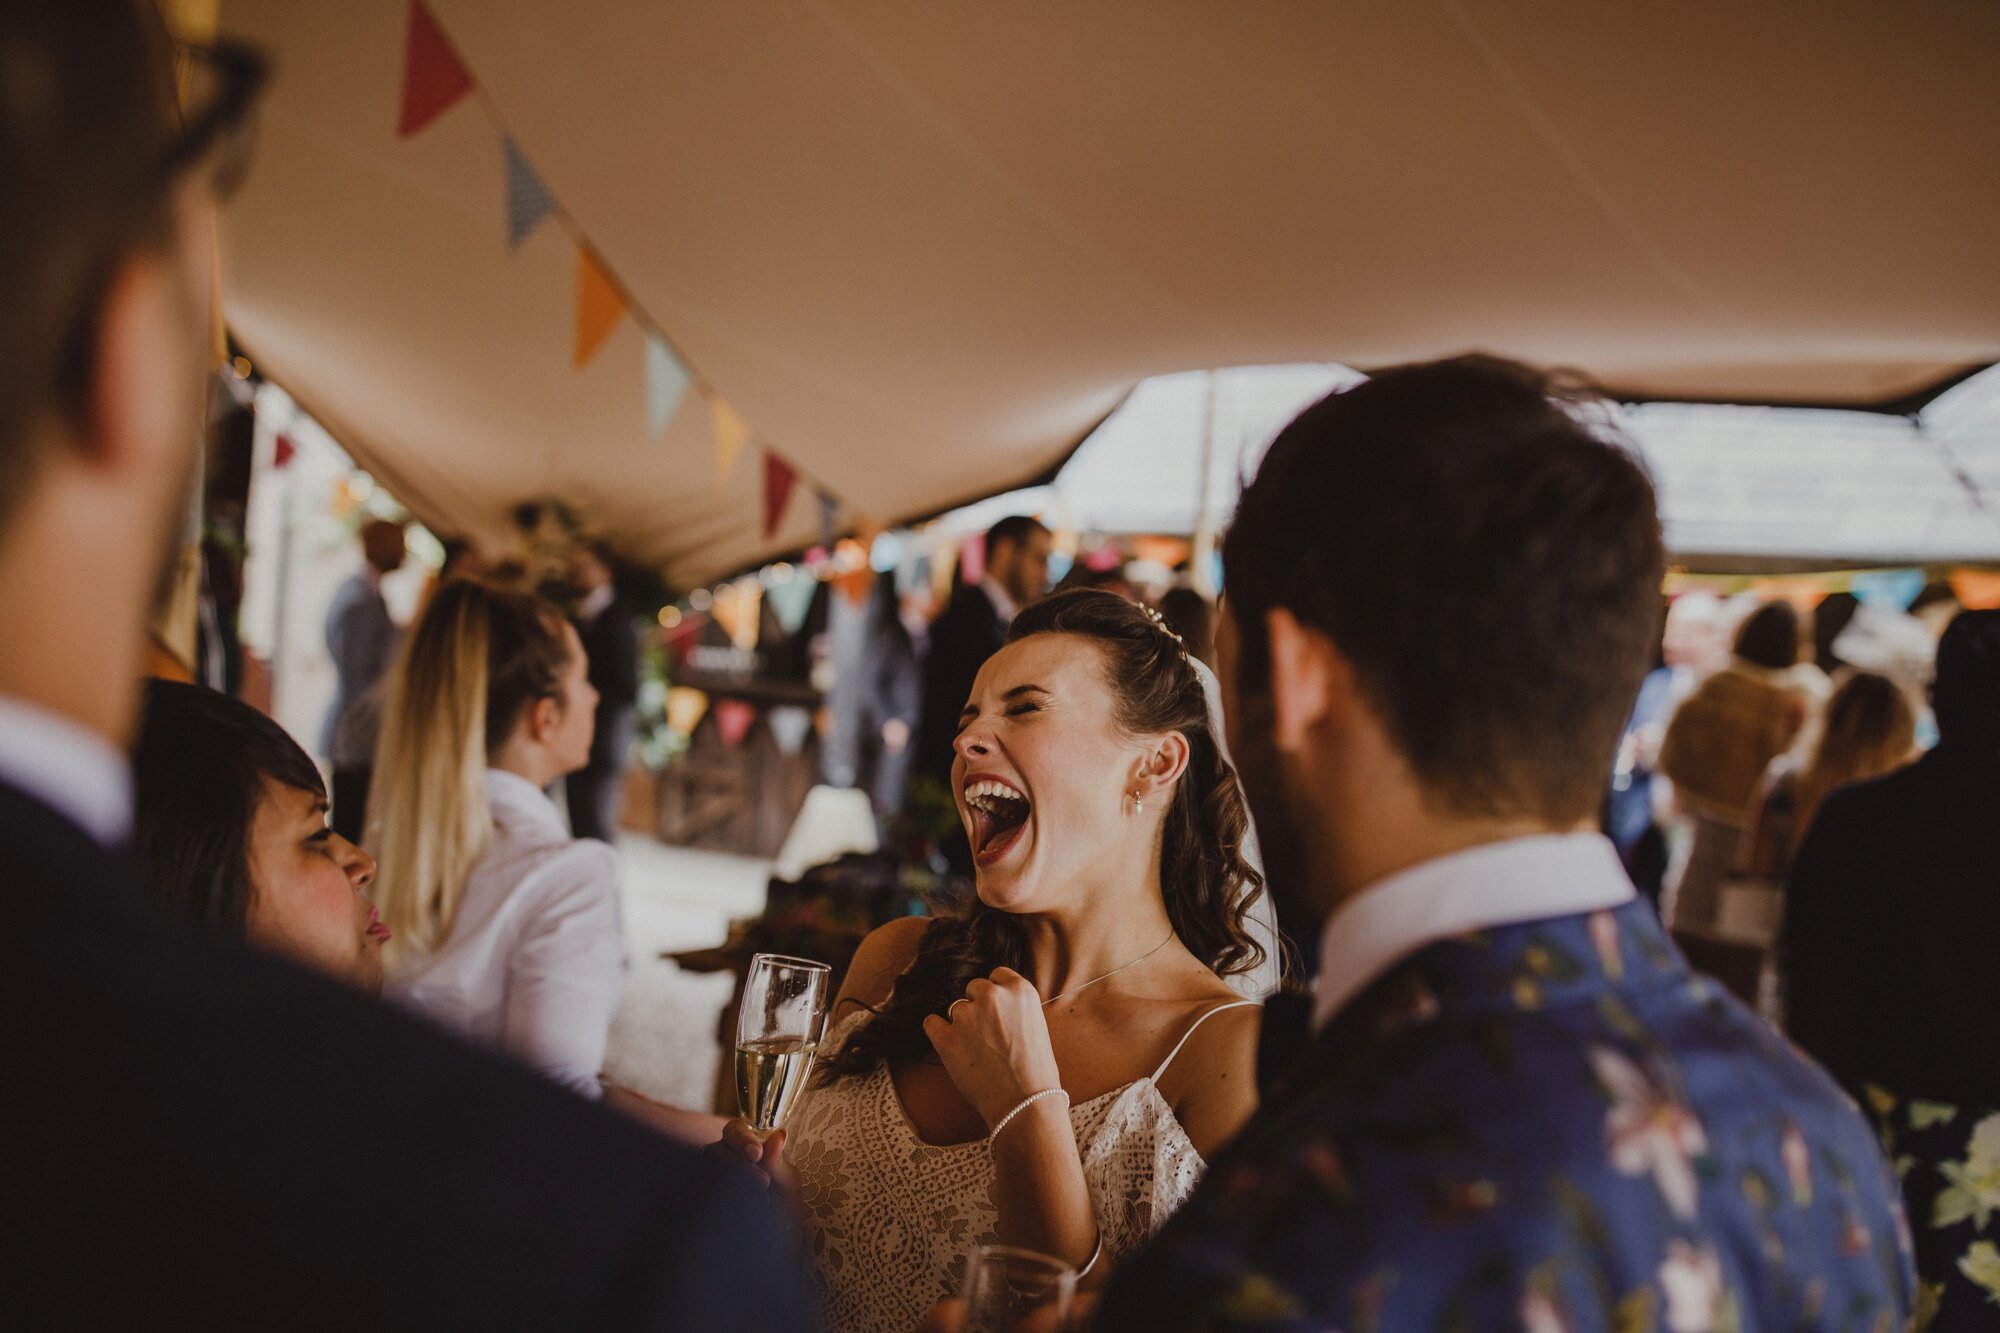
x,y
777,1033
1004,1285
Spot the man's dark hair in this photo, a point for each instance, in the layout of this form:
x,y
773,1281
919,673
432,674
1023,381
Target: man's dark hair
x,y
1966,691
1015,529
199,772
85,123
1769,636
1487,562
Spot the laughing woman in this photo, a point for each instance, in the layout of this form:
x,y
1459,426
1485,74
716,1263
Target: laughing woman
x,y
1042,1071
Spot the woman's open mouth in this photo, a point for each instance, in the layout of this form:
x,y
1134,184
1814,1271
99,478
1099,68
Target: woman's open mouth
x,y
997,811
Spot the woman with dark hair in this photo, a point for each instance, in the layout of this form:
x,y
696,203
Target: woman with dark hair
x,y
230,826
1042,1069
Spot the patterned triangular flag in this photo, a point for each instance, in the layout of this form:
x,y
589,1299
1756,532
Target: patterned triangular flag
x,y
528,200
433,76
829,517
779,478
599,305
730,433
666,382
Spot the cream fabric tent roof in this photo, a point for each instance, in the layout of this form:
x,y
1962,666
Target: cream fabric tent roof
x,y
924,248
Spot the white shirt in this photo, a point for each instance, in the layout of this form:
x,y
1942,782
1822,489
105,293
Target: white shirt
x,y
67,767
1004,605
536,954
1494,884
593,604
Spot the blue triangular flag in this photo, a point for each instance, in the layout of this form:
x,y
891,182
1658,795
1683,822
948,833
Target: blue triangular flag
x,y
792,600
666,382
829,514
528,200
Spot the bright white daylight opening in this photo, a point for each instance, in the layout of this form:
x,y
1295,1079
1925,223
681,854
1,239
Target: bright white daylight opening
x,y
1740,487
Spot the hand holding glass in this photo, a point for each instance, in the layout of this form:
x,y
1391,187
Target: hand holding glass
x,y
1004,1285
777,1032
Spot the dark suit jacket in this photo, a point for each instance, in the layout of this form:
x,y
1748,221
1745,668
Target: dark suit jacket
x,y
1544,1125
201,1136
1891,915
613,648
962,638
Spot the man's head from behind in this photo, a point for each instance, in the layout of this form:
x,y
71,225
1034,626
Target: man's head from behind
x,y
1017,557
1443,590
104,275
1966,691
382,545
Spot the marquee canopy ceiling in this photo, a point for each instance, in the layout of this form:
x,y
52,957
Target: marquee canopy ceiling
x,y
922,249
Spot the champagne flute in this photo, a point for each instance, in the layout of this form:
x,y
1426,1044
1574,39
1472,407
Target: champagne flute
x,y
1004,1285
777,1032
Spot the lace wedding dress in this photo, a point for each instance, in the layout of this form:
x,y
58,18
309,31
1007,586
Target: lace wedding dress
x,y
890,1218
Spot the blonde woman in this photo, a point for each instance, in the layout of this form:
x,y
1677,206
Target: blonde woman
x,y
507,929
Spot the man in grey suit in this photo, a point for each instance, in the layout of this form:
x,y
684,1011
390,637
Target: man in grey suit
x,y
363,638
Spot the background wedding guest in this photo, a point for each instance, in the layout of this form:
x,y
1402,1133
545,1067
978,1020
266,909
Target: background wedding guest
x,y
595,792
1520,1109
971,629
1717,746
1191,616
200,1133
507,927
1869,728
362,639
1891,914
230,830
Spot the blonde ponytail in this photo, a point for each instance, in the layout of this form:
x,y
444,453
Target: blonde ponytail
x,y
476,658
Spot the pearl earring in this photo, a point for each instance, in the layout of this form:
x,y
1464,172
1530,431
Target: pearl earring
x,y
1138,802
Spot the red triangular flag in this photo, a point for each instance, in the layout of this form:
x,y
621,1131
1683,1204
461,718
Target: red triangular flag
x,y
779,478
734,718
433,76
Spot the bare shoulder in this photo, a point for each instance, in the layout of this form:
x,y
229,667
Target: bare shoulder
x,y
1212,1083
885,955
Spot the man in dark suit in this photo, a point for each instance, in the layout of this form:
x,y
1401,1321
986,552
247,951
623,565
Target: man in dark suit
x,y
971,629
1519,1109
199,1135
362,639
1891,914
595,791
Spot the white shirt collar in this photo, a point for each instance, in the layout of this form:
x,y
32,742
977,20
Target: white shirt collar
x,y
1495,884
1003,605
511,794
593,603
68,767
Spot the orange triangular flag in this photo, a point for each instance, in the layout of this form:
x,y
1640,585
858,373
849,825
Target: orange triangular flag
x,y
434,78
599,305
730,433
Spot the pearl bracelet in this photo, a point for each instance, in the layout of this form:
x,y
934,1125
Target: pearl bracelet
x,y
1026,1102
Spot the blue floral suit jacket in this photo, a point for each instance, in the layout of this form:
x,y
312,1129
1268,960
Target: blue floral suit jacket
x,y
1551,1126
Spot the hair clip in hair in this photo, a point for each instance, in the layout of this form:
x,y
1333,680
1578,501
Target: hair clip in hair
x,y
1160,624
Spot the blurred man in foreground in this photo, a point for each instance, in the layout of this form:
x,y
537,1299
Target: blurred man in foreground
x,y
196,1133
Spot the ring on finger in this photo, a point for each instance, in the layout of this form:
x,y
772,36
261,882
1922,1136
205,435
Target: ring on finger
x,y
953,1008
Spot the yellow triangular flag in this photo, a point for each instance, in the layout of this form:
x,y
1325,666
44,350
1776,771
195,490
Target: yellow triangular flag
x,y
599,305
731,431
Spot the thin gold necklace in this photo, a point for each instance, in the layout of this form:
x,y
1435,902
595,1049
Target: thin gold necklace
x,y
1112,973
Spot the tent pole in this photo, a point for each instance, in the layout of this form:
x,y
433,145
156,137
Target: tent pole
x,y
1201,575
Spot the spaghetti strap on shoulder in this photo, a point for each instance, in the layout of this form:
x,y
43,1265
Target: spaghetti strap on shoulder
x,y
1233,1004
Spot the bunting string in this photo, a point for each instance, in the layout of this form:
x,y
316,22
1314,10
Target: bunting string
x,y
435,79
